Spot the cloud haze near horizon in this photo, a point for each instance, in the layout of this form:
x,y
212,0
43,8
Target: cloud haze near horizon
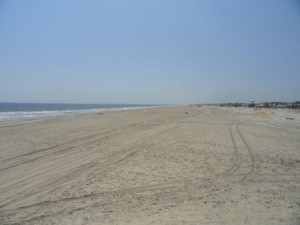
x,y
176,52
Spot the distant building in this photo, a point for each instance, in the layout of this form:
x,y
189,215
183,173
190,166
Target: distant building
x,y
252,103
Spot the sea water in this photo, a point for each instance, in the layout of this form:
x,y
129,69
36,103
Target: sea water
x,y
11,112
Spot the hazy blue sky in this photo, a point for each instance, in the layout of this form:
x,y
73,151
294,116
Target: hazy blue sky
x,y
149,51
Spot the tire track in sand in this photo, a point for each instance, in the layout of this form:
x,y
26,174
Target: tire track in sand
x,y
112,157
249,152
235,156
236,169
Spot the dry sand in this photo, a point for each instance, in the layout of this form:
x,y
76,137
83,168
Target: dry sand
x,y
185,165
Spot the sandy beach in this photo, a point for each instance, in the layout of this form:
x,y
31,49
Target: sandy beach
x,y
177,165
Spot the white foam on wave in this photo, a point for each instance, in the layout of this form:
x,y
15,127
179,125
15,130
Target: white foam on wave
x,y
12,117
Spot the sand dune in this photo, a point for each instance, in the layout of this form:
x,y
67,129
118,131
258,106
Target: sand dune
x,y
184,165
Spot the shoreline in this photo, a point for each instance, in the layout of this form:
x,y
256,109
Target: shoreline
x,y
31,116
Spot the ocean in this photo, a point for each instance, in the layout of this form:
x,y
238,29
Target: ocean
x,y
12,112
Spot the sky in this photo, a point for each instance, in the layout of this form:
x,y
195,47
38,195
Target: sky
x,y
149,51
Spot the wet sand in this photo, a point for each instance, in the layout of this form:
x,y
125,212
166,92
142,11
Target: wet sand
x,y
184,165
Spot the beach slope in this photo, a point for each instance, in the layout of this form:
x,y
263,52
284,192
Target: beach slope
x,y
177,165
